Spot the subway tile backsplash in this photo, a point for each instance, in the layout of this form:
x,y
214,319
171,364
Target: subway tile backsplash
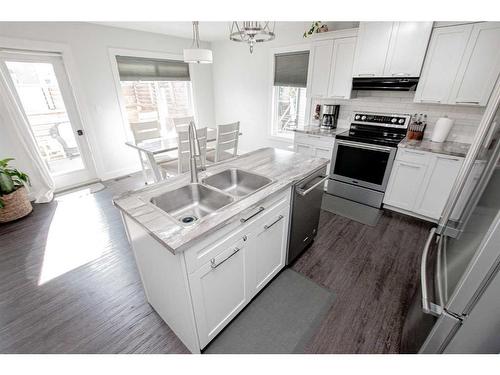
x,y
466,118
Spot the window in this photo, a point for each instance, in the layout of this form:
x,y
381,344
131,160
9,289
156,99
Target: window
x,y
289,92
155,90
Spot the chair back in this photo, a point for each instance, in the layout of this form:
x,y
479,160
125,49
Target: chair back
x,y
227,139
180,121
183,148
145,130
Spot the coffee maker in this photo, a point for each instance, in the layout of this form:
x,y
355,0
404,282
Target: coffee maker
x,y
330,116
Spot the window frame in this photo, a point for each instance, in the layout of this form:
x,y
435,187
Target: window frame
x,y
272,116
146,54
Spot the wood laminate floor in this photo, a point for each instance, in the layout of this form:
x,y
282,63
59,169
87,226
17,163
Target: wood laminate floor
x,y
69,283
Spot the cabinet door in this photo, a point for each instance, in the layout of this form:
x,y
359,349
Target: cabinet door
x,y
407,48
320,70
404,184
303,148
269,246
442,174
480,66
371,48
341,69
219,291
446,50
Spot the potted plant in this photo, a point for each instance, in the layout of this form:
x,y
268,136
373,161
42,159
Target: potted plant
x,y
316,27
14,202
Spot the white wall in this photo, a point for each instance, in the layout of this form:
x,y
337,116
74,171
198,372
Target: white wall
x,y
103,122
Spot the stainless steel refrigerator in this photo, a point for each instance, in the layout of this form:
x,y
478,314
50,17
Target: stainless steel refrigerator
x,y
457,306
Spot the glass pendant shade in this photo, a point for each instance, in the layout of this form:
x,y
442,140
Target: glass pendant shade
x,y
195,54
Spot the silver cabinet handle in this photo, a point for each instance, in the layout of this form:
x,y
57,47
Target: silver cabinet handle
x,y
305,192
466,102
409,165
366,74
430,101
400,74
414,152
266,227
246,218
427,307
215,264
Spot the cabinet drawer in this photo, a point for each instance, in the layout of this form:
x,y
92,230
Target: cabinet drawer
x,y
314,140
413,156
237,232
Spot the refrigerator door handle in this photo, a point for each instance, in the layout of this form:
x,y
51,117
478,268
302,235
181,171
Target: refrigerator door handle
x,y
427,306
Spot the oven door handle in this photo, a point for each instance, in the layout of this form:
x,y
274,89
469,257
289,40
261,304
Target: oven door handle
x,y
364,145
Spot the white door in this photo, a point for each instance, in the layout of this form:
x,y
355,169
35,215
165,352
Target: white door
x,y
404,184
445,53
371,49
321,60
341,69
480,66
269,246
407,49
219,291
41,88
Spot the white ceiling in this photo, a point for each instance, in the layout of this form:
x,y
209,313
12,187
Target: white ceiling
x,y
209,31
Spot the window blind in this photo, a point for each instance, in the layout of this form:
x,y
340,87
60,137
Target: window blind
x,y
142,69
290,69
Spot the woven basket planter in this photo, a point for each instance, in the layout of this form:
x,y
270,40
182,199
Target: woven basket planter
x,y
17,205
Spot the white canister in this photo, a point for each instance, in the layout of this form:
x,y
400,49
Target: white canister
x,y
442,129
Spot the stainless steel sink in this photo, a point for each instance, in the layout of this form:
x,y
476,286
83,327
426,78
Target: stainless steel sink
x,y
191,202
237,182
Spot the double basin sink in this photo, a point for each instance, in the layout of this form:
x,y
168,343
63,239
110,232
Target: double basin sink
x,y
191,202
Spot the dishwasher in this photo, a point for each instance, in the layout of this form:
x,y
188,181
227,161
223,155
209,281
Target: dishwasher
x,y
307,195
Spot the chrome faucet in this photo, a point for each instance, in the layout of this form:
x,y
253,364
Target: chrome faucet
x,y
194,152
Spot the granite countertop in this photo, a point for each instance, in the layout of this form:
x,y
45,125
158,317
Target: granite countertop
x,y
283,167
446,148
316,130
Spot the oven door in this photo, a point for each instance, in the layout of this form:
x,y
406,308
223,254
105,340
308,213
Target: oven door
x,y
362,164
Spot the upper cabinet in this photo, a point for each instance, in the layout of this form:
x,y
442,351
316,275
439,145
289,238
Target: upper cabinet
x,y
391,49
462,65
331,66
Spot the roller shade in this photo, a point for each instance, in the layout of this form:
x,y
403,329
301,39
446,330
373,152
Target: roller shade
x,y
290,69
140,69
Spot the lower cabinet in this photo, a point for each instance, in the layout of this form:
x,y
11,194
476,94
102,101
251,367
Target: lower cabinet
x,y
315,146
421,182
238,270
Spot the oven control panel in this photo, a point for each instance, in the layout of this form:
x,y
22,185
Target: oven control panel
x,y
382,119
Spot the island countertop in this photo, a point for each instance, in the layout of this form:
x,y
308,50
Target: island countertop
x,y
283,167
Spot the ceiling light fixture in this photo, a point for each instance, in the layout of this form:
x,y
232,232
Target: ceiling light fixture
x,y
252,32
195,54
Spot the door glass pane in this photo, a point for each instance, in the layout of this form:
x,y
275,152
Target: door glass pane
x,y
361,164
38,90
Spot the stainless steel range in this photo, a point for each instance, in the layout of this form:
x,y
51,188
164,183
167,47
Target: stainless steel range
x,y
363,156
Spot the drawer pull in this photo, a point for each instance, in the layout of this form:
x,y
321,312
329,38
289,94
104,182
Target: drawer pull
x,y
214,265
246,218
266,227
313,136
430,101
415,152
466,102
410,165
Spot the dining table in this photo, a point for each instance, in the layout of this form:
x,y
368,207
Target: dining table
x,y
155,146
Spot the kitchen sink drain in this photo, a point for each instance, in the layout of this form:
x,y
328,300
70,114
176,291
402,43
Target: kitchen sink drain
x,y
188,219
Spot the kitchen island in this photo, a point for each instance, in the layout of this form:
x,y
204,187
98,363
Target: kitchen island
x,y
198,274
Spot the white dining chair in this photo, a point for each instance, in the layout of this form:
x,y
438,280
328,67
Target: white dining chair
x,y
182,121
143,131
226,146
181,165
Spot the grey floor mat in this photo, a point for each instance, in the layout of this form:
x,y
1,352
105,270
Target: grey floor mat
x,y
281,319
352,210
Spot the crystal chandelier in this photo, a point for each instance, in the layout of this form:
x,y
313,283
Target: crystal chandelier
x,y
195,54
252,32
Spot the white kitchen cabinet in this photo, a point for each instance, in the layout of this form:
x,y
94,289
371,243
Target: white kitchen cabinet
x,y
321,58
314,145
445,53
436,188
407,49
480,66
421,182
462,65
404,183
340,84
371,49
219,290
304,149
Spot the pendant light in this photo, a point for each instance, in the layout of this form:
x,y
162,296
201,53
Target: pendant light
x,y
252,32
195,54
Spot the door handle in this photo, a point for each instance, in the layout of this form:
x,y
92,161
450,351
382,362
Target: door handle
x,y
427,306
215,264
266,227
305,192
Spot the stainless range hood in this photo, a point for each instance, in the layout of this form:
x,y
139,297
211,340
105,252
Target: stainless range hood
x,y
385,83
